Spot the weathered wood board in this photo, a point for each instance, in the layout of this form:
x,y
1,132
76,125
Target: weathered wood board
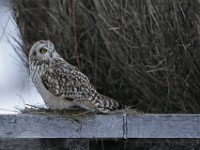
x,y
101,126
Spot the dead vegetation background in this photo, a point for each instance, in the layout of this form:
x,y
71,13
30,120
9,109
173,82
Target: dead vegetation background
x,y
144,53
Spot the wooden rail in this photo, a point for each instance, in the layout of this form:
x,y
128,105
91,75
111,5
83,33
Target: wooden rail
x,y
38,127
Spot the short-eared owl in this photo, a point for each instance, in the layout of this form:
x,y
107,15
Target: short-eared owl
x,y
62,85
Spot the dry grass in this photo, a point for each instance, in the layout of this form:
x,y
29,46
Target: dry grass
x,y
143,52
73,114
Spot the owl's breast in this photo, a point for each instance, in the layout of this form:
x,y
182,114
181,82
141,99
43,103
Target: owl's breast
x,y
50,100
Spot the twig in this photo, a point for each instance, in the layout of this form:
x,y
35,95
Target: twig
x,y
82,113
32,106
75,35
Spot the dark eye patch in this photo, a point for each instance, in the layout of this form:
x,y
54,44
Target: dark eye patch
x,y
34,53
43,50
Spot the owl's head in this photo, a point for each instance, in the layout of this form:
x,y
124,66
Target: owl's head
x,y
42,50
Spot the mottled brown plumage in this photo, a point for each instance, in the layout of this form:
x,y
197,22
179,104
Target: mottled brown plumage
x,y
62,85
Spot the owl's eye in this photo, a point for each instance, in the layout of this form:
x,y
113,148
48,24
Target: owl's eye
x,y
42,50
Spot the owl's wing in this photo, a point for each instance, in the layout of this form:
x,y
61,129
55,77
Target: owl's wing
x,y
64,80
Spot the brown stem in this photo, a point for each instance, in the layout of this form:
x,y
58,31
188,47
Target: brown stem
x,y
75,35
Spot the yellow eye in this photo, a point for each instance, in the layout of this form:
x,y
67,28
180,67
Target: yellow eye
x,y
42,50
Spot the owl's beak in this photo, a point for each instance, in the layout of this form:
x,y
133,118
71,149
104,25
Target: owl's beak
x,y
51,55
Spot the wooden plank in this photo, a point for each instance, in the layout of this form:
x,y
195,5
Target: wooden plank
x,y
101,126
163,126
41,126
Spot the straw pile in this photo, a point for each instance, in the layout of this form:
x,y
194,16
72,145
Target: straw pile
x,y
141,52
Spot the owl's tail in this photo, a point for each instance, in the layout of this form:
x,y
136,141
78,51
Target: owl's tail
x,y
106,104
